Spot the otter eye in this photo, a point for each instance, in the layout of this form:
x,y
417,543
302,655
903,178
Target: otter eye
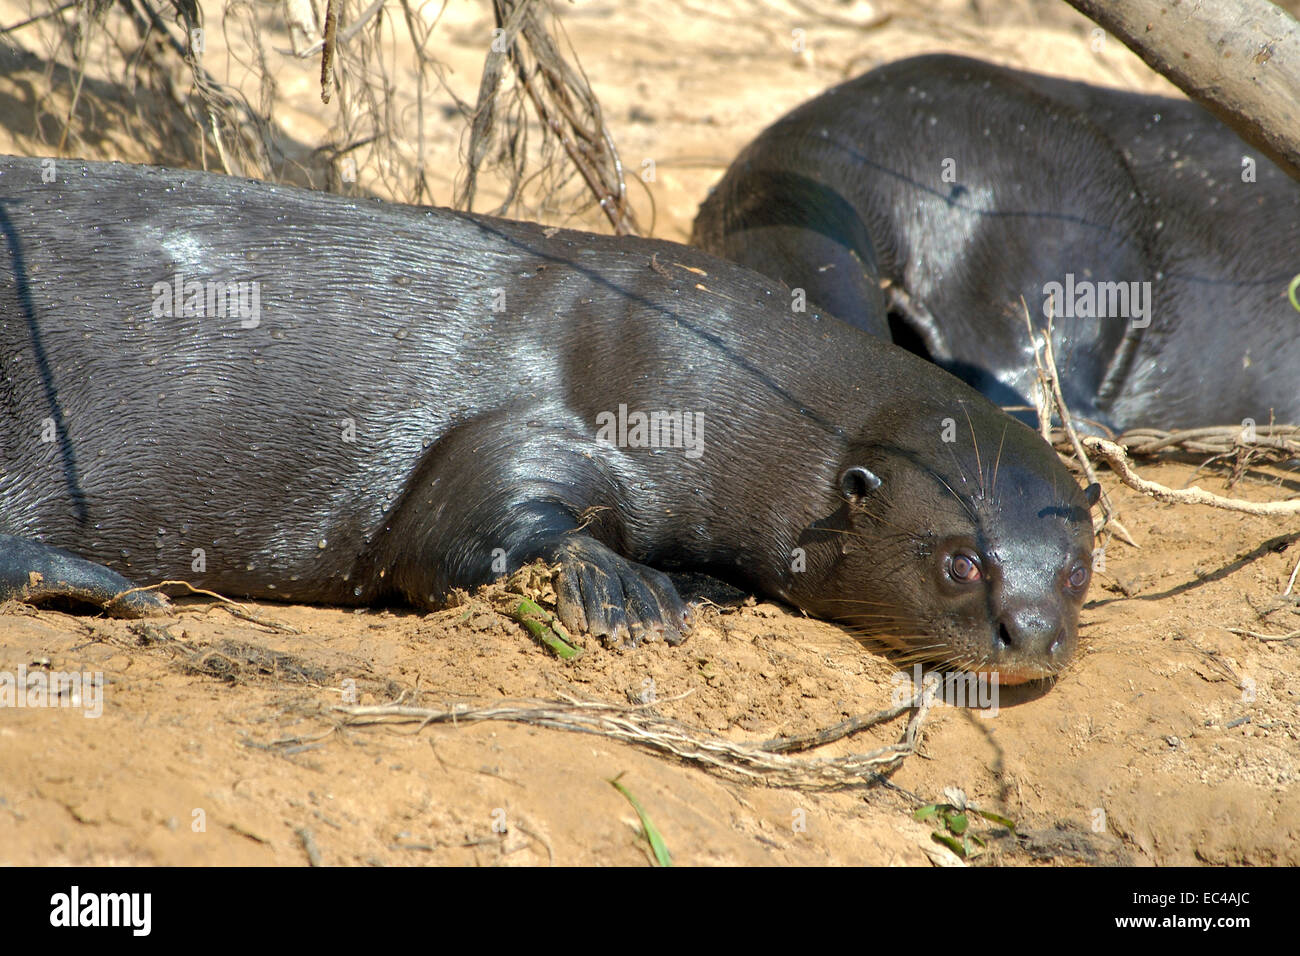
x,y
1078,578
964,567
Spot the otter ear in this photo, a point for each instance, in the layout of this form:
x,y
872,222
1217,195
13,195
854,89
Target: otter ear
x,y
1092,493
857,482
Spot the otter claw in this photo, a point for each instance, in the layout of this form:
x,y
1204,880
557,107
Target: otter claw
x,y
621,602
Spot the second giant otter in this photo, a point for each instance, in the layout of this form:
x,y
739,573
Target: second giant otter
x,y
923,200
272,392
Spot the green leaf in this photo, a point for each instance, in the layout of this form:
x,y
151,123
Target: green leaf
x,y
998,819
950,842
649,830
538,620
926,812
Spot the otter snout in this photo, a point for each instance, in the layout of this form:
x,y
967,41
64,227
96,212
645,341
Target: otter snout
x,y
1034,616
1028,633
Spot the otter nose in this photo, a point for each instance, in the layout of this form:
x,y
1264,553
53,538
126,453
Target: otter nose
x,y
1031,632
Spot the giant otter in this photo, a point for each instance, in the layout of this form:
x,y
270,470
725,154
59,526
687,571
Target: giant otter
x,y
279,393
923,200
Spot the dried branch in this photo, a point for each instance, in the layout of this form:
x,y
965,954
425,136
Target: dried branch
x,y
1235,57
640,725
567,110
1119,462
1049,396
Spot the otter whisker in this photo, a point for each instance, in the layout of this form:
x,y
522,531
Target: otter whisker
x,y
877,621
852,532
874,516
919,652
960,500
862,601
997,462
979,468
899,628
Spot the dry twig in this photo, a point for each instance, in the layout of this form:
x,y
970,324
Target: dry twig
x,y
1264,637
1119,462
1049,397
640,725
1283,441
566,107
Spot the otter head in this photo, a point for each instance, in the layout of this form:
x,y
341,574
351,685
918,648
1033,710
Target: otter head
x,y
973,559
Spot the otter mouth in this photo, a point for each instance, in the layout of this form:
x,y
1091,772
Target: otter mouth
x,y
952,661
1012,674
1046,659
1011,656
1004,673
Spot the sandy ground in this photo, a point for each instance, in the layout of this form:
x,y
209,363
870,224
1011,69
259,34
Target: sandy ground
x,y
1170,741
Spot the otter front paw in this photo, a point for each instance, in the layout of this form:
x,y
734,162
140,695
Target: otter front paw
x,y
619,601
